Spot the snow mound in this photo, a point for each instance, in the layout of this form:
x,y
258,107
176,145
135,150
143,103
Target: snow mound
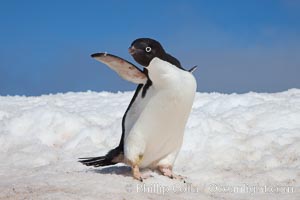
x,y
233,143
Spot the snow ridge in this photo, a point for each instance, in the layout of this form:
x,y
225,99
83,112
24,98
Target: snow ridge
x,y
236,139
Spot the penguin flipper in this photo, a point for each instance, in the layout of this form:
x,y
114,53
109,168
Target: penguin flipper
x,y
193,69
125,69
113,157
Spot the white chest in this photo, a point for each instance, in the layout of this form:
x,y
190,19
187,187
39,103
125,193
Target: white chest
x,y
157,122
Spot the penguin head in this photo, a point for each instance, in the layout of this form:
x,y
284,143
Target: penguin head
x,y
143,50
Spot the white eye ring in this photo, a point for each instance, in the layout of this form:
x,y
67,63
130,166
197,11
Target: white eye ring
x,y
148,49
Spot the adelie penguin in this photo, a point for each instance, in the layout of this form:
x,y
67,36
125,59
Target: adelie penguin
x,y
154,122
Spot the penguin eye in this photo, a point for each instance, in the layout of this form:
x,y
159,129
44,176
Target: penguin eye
x,y
148,49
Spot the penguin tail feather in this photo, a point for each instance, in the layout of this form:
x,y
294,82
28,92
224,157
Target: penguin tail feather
x,y
113,157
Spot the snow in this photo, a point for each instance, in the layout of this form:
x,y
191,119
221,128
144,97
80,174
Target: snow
x,y
237,146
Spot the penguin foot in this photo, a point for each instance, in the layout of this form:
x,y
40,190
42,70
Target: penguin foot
x,y
136,173
167,171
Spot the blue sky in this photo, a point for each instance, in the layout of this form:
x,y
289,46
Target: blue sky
x,y
239,46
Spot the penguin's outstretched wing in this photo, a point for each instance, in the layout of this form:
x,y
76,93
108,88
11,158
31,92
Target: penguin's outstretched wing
x,y
125,69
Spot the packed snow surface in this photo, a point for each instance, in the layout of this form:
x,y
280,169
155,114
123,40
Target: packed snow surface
x,y
237,146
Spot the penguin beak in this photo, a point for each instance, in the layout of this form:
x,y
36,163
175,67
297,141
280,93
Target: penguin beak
x,y
131,50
